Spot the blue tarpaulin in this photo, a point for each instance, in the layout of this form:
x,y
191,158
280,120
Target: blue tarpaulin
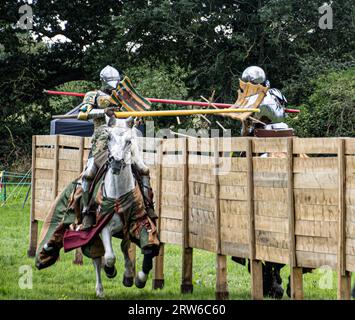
x,y
72,127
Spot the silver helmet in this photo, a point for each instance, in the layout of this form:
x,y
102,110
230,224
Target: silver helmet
x,y
254,74
109,77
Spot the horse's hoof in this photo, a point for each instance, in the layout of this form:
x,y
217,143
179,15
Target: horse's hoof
x,y
100,295
127,281
111,272
139,283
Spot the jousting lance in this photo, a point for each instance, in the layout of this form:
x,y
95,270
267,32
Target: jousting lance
x,y
165,113
166,101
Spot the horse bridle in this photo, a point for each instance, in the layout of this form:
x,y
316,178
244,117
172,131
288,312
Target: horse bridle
x,y
118,165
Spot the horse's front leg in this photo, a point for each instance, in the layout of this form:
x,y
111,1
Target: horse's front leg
x,y
129,264
147,265
99,288
110,257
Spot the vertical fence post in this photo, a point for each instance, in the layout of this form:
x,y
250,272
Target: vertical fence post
x,y
158,274
4,184
256,268
33,222
187,254
78,255
296,274
344,277
221,260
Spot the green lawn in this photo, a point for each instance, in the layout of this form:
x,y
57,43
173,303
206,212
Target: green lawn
x,y
64,280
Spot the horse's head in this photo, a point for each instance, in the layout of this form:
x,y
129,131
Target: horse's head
x,y
120,145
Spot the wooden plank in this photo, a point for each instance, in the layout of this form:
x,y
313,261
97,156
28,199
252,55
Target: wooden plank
x,y
315,180
33,223
344,277
255,265
232,207
42,163
233,179
55,168
43,174
200,162
274,209
221,291
174,144
234,164
171,225
349,146
44,184
171,187
262,145
45,153
272,239
272,254
316,197
202,189
69,154
200,145
237,250
87,143
171,237
317,228
233,193
158,272
315,164
203,243
44,140
316,244
315,145
69,165
228,144
172,174
237,223
69,141
316,212
172,161
199,202
187,254
270,179
269,194
172,212
201,175
269,164
316,259
350,165
271,224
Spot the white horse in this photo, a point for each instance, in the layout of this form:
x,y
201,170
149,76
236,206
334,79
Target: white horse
x,y
119,180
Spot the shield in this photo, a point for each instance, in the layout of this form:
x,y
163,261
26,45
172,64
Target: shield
x,y
250,96
127,96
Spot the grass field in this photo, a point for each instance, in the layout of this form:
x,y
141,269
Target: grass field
x,y
64,280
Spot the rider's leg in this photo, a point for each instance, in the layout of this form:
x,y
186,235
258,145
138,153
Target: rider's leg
x,y
88,176
149,197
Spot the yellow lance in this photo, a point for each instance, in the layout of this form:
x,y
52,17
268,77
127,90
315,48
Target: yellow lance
x,y
164,113
174,113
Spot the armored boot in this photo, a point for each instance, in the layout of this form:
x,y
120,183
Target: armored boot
x,y
87,216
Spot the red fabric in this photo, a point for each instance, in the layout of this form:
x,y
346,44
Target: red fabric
x,y
76,239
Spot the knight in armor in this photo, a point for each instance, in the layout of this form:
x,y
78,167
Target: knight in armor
x,y
98,156
272,112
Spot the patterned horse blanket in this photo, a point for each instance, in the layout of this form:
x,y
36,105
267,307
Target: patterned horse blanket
x,y
64,218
